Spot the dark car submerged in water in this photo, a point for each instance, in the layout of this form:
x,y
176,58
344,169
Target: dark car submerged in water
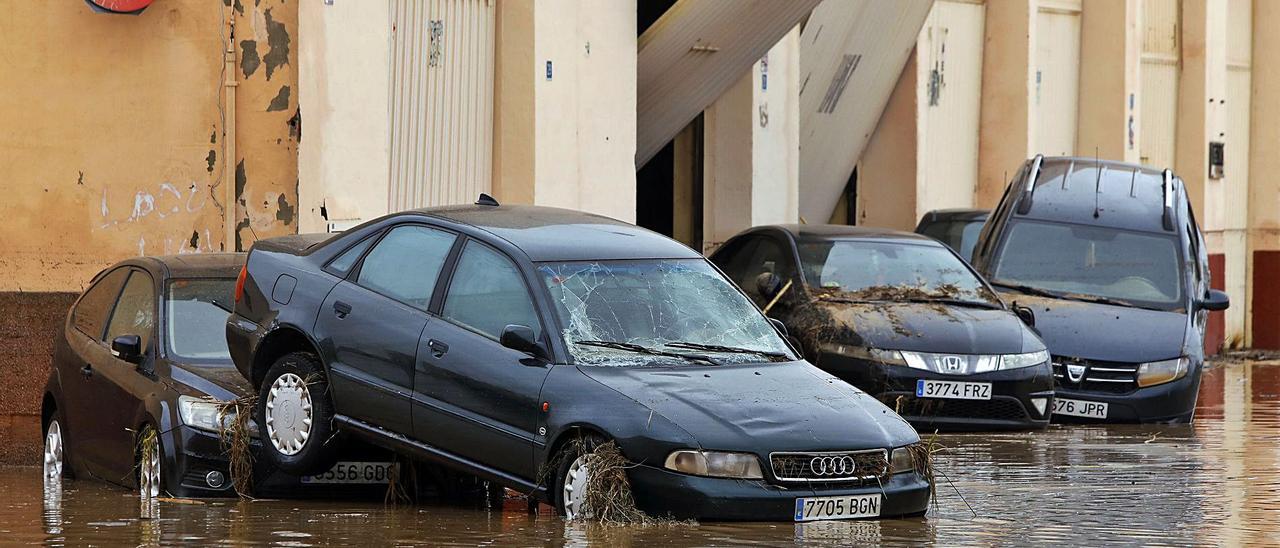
x,y
900,316
508,341
1110,258
140,374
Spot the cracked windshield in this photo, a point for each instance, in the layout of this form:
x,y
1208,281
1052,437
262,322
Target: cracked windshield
x,y
658,312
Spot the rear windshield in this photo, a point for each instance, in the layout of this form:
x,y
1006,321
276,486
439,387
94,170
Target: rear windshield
x,y
958,235
1139,268
883,271
196,318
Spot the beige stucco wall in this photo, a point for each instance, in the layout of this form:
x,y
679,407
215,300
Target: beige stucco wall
x,y
113,141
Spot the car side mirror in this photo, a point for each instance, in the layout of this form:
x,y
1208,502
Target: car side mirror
x,y
1025,314
768,284
1214,300
127,348
521,338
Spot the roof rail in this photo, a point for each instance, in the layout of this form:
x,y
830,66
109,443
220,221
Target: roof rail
x,y
1166,189
1024,204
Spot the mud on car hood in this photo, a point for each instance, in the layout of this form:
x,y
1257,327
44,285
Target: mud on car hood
x,y
1105,332
926,327
761,408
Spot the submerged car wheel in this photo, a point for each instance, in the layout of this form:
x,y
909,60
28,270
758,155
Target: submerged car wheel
x,y
149,458
573,475
297,416
53,452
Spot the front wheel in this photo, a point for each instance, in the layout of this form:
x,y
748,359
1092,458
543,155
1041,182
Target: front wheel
x,y
296,414
54,452
149,459
572,476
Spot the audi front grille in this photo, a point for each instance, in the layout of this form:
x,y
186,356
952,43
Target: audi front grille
x,y
831,466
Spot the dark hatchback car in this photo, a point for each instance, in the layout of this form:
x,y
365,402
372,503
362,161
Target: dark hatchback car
x,y
900,316
138,372
1111,260
503,341
958,228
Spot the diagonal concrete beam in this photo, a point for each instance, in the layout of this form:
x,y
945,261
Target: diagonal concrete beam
x,y
851,54
694,52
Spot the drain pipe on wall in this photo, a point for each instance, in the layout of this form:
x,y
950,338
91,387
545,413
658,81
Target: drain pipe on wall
x,y
229,134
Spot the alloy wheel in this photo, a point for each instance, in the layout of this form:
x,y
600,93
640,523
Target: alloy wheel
x,y
149,468
575,488
53,452
288,414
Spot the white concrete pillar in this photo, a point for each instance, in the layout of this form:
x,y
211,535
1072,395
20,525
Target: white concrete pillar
x,y
751,135
1110,60
1201,95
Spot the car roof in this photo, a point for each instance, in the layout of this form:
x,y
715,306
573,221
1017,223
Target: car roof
x,y
849,232
554,234
1128,196
193,265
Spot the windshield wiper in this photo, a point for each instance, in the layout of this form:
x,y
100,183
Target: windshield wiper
x,y
1029,290
954,302
773,356
641,349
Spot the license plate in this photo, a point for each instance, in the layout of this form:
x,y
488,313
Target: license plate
x,y
1080,408
354,473
953,390
842,507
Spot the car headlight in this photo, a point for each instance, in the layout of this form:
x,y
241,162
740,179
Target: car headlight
x,y
715,463
890,357
900,460
1015,361
202,413
1153,373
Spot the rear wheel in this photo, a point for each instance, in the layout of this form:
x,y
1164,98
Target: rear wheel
x,y
296,414
54,451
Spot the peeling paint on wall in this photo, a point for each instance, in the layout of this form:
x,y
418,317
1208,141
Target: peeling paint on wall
x,y
280,101
249,60
278,40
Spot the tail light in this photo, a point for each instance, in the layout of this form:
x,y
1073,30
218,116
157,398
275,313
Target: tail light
x,y
244,273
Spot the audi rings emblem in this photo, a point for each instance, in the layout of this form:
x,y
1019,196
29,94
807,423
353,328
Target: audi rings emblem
x,y
832,466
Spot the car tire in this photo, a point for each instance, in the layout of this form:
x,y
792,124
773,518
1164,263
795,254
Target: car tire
x,y
295,415
565,483
56,467
148,463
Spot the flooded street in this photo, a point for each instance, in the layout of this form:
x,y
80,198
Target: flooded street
x,y
1217,482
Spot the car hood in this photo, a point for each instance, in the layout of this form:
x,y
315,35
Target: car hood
x,y
1104,332
761,408
922,327
221,381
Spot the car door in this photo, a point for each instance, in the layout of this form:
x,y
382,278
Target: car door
x,y
86,351
117,384
369,325
473,396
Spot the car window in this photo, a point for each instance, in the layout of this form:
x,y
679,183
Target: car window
x,y
90,315
487,293
768,256
406,263
195,319
342,265
958,235
734,257
135,310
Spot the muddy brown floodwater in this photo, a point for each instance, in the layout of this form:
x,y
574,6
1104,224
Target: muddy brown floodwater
x,y
1217,482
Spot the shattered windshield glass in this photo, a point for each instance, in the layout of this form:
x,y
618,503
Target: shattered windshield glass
x,y
883,271
656,312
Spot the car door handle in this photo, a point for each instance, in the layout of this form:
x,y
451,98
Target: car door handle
x,y
341,309
438,348
87,370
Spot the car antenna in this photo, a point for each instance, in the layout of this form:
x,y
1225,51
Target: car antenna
x,y
1097,184
486,200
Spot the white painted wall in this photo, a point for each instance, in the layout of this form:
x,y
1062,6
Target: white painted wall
x,y
1160,70
343,78
950,60
1057,85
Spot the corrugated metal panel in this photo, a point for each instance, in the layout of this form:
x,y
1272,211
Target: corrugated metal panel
x,y
949,101
441,101
1057,80
1159,74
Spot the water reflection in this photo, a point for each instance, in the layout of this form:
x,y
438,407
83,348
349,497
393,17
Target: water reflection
x,y
1214,483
